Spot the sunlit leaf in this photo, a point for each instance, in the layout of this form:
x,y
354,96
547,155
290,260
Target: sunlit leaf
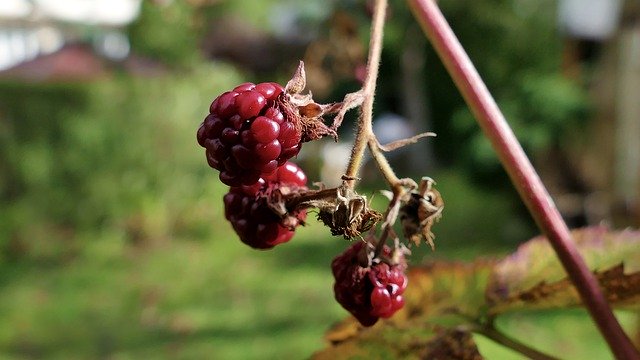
x,y
446,288
391,341
533,278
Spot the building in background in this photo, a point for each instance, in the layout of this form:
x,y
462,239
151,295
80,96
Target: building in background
x,y
602,51
34,31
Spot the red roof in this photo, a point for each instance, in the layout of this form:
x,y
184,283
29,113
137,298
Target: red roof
x,y
71,63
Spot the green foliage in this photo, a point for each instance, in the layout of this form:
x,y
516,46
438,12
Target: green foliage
x,y
396,343
113,237
540,109
176,299
515,46
521,66
166,32
113,153
113,241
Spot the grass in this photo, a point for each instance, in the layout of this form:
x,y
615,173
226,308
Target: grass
x,y
179,299
121,249
214,298
175,298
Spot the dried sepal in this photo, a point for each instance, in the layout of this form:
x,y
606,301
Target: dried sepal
x,y
303,108
347,214
309,113
344,211
419,213
298,82
276,202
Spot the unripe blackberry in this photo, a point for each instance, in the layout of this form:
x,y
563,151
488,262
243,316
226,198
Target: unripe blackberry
x,y
252,219
248,133
368,292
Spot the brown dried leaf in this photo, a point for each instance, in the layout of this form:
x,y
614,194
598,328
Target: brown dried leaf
x,y
351,101
344,330
420,212
533,278
420,341
452,344
394,145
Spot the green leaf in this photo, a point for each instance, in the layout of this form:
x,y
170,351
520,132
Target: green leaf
x,y
533,278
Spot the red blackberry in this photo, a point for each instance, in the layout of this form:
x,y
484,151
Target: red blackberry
x,y
368,292
249,214
248,133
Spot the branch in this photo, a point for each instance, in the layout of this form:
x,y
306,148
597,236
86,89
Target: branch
x,y
521,172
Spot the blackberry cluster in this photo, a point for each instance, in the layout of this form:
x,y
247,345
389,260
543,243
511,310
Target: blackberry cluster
x,y
248,134
249,214
368,292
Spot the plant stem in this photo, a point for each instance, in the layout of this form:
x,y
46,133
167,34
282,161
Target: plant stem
x,y
383,164
521,172
365,131
506,341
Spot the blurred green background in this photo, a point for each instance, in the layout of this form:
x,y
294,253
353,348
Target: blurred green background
x,y
113,242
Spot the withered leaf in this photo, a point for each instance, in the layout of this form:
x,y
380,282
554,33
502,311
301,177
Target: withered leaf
x,y
420,211
446,295
533,278
446,288
417,341
452,344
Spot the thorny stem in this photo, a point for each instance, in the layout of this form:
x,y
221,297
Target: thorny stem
x,y
365,131
522,173
365,136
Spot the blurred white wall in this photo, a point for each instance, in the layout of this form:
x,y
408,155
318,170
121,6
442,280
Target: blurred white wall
x,y
29,28
590,19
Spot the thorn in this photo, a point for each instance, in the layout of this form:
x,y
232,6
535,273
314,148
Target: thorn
x,y
349,178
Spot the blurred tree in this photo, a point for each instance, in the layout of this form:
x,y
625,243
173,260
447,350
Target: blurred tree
x,y
516,48
166,31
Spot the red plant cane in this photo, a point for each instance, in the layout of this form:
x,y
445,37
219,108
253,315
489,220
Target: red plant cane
x,y
521,172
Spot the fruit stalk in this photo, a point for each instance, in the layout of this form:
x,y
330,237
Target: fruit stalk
x,y
521,172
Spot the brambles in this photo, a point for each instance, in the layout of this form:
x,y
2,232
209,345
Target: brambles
x,y
250,134
369,291
247,209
